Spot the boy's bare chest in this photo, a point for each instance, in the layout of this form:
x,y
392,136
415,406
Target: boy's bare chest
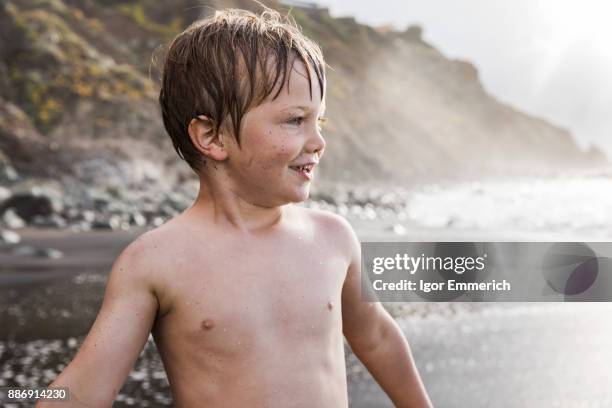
x,y
290,289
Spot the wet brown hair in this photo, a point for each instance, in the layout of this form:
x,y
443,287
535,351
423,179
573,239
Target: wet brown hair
x,y
226,64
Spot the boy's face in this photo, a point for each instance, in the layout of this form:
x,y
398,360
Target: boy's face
x,y
275,137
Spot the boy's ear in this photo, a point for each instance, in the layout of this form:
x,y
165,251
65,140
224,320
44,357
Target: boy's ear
x,y
205,138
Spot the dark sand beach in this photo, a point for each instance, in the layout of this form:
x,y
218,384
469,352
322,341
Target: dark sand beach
x,y
476,355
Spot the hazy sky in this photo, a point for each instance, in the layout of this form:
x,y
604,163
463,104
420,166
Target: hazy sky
x,y
551,58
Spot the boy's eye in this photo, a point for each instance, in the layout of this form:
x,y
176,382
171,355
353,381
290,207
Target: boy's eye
x,y
297,120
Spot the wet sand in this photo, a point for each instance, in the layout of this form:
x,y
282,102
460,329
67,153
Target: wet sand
x,y
470,355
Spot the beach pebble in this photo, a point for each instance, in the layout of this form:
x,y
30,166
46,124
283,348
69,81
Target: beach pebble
x,y
9,237
5,193
12,220
49,375
138,219
112,222
138,375
29,250
158,375
50,221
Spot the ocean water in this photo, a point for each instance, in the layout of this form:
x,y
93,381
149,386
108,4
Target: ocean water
x,y
572,205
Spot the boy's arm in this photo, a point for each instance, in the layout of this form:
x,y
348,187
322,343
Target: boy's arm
x,y
116,338
378,341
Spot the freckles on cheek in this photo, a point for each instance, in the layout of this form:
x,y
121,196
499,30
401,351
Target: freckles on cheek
x,y
278,152
284,155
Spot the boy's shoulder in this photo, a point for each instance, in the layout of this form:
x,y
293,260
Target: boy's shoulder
x,y
149,251
324,219
145,262
331,227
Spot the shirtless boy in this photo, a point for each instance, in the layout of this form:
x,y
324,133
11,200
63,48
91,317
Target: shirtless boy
x,y
247,295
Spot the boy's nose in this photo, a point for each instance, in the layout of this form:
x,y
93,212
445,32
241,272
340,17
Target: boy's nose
x,y
316,143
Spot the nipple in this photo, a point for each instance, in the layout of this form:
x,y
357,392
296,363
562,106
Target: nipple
x,y
330,305
207,324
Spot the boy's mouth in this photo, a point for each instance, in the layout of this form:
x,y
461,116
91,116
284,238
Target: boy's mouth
x,y
305,169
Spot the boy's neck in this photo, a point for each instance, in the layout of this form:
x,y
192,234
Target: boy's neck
x,y
218,203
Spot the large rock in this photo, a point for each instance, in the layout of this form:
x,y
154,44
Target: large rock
x,y
41,202
27,206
